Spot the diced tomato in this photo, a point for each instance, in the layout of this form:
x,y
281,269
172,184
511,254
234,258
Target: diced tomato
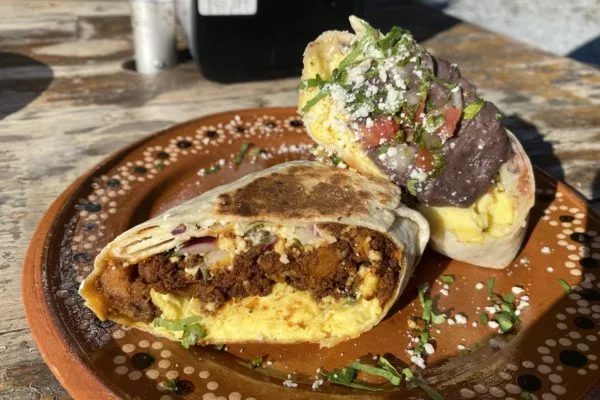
x,y
424,160
451,117
382,128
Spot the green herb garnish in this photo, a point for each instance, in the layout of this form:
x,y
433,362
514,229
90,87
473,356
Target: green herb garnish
x,y
212,169
265,236
219,347
473,109
448,279
170,384
566,287
257,362
239,157
394,379
498,116
508,298
159,165
383,148
192,330
490,288
335,158
411,186
483,318
345,377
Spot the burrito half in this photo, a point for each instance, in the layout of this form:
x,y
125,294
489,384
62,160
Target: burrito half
x,y
386,107
300,252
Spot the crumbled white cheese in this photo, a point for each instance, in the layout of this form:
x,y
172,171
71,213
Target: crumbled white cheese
x,y
283,258
418,361
493,324
550,269
491,309
479,286
429,348
517,289
460,319
546,250
450,321
318,382
461,347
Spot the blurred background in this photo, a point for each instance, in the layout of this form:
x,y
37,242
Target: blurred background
x,y
568,28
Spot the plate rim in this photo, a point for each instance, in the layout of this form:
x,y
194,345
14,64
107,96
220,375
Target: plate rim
x,y
54,344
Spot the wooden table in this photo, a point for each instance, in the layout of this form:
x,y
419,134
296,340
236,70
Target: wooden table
x,y
66,102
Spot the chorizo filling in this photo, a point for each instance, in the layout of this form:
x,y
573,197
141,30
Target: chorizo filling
x,y
341,261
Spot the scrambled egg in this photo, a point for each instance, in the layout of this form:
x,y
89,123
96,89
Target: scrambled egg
x,y
327,124
286,315
492,214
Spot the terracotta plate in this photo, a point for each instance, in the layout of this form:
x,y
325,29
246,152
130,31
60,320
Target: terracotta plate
x,y
552,354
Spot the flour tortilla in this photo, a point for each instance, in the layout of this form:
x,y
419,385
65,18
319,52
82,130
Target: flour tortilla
x,y
364,201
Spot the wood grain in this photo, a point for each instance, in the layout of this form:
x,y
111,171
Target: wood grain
x,y
66,102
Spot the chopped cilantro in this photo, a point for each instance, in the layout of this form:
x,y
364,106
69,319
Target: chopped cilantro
x,y
505,320
257,362
159,165
297,241
335,158
385,364
309,104
265,236
411,186
390,376
399,136
383,148
566,287
345,377
192,330
170,384
509,298
317,81
239,157
429,391
191,334
170,254
473,109
391,38
212,169
483,318
448,279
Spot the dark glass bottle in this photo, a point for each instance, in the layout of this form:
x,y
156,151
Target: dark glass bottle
x,y
265,45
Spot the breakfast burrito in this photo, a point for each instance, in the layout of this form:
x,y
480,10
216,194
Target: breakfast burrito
x,y
384,106
300,252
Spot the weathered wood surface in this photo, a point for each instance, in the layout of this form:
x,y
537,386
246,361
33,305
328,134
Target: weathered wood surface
x,y
66,103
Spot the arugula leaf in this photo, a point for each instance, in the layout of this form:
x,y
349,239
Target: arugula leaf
x,y
411,186
473,109
483,318
191,334
239,157
394,379
448,279
566,287
257,362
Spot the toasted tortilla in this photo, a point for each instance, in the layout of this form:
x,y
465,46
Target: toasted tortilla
x,y
516,176
278,200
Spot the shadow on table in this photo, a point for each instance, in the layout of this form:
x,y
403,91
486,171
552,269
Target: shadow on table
x,y
22,80
423,21
588,52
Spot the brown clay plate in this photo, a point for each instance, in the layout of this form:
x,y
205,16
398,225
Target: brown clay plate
x,y
553,354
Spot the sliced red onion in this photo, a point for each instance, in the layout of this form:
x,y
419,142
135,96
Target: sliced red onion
x,y
179,229
215,256
199,245
315,230
271,243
